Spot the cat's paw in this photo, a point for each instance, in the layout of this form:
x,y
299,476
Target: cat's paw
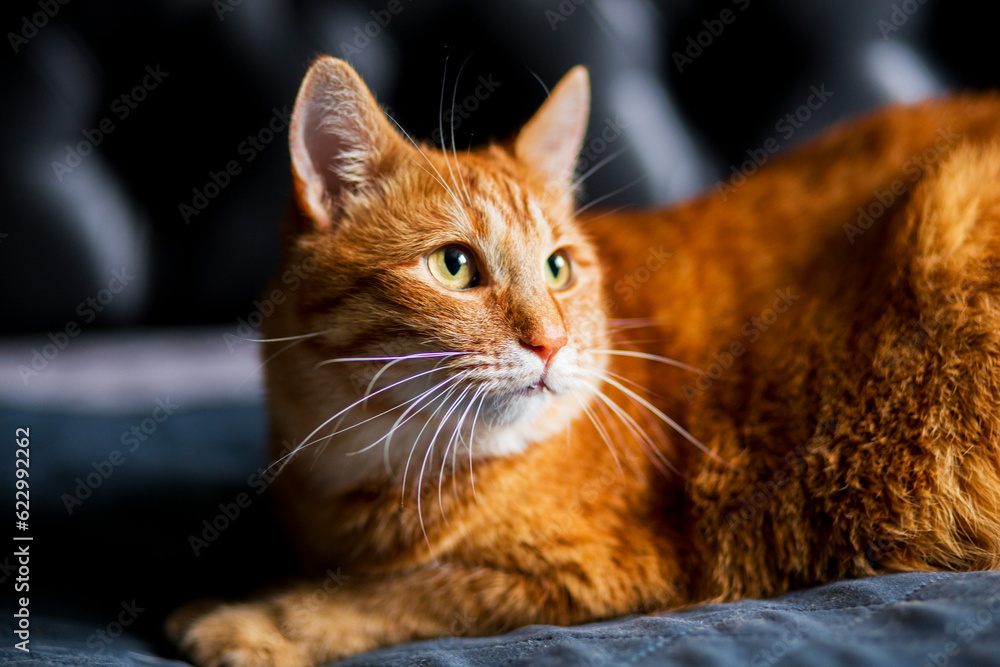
x,y
233,635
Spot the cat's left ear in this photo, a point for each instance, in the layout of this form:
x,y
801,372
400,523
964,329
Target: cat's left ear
x,y
340,140
550,142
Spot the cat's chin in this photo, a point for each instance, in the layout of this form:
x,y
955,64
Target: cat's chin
x,y
530,416
522,404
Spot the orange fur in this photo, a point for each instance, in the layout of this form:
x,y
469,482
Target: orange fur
x,y
848,397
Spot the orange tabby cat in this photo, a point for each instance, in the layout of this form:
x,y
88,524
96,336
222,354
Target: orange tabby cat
x,y
477,439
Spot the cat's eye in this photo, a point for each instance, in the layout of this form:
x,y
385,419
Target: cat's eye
x,y
454,266
558,270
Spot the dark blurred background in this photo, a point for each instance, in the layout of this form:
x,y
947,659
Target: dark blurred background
x,y
695,85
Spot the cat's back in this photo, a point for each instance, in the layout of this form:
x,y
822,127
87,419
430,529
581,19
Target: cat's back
x,y
819,205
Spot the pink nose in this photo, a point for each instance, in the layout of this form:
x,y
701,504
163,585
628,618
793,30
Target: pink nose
x,y
545,342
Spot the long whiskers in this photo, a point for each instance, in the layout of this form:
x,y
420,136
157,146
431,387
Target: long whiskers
x,y
403,418
631,323
472,440
649,357
593,170
630,381
439,178
419,355
444,146
651,448
600,430
608,196
428,455
283,460
453,443
374,417
413,447
393,360
656,411
454,95
267,361
280,340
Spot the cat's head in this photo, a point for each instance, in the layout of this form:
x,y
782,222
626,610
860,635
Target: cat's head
x,y
418,251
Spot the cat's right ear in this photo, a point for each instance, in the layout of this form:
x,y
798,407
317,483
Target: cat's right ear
x,y
339,138
550,142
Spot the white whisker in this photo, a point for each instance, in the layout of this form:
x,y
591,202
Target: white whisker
x,y
281,340
656,456
601,431
428,455
349,407
608,195
656,411
383,413
625,379
413,447
454,94
444,146
649,357
593,170
440,178
403,419
419,355
452,444
371,385
472,440
267,361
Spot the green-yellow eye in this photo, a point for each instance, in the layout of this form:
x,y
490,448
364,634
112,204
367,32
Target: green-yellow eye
x,y
454,266
558,270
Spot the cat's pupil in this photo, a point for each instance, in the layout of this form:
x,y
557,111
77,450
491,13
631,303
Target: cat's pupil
x,y
556,264
455,260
